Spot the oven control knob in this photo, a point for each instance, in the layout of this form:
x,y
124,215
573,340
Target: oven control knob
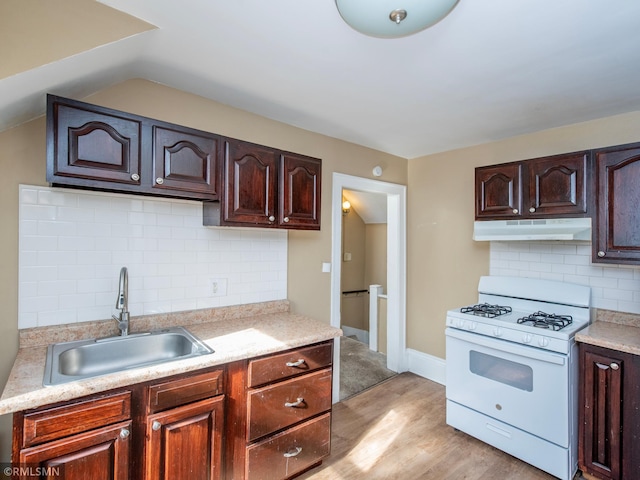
x,y
460,323
527,338
497,332
543,342
472,326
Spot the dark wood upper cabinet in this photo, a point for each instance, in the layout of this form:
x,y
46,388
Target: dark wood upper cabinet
x,y
616,233
250,175
609,422
184,160
86,143
266,187
498,190
558,185
99,148
548,187
299,197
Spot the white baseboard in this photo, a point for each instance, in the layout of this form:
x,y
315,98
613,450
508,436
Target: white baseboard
x,y
361,335
427,366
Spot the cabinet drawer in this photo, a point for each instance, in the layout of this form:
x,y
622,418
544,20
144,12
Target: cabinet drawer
x,y
291,451
186,390
289,364
59,422
278,406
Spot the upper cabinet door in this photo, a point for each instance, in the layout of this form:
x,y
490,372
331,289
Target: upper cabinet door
x,y
498,191
616,233
185,160
558,185
250,174
86,143
299,193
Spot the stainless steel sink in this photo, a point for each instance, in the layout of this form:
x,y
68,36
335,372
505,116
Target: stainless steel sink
x,y
71,361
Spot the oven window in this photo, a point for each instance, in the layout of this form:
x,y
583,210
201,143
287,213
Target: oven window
x,y
500,370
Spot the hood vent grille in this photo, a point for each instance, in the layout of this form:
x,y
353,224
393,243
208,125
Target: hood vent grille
x,y
538,229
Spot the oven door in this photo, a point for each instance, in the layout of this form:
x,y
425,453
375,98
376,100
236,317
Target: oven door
x,y
523,386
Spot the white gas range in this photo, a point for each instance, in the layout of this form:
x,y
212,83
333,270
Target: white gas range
x,y
512,368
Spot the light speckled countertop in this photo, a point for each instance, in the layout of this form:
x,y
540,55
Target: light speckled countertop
x,y
235,333
615,330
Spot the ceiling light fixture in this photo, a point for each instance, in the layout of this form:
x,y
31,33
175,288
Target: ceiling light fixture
x,y
382,18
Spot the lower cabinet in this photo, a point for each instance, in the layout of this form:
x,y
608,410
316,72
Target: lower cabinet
x,y
282,419
186,442
267,418
101,454
609,427
90,438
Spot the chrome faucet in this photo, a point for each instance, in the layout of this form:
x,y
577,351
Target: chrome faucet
x,y
122,302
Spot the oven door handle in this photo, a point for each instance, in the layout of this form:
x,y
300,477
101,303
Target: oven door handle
x,y
506,346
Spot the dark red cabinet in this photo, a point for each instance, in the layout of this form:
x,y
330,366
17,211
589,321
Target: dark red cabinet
x,y
609,413
616,232
266,187
547,187
99,148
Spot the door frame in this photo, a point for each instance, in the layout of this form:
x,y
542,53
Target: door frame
x,y
396,266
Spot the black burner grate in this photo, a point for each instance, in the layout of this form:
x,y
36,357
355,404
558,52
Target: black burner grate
x,y
547,320
486,310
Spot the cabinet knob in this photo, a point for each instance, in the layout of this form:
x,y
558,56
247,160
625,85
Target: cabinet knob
x,y
614,366
292,453
124,433
299,401
286,219
272,218
296,363
515,210
159,180
601,254
156,425
532,210
135,177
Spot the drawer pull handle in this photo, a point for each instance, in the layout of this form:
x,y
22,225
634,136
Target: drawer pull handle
x,y
124,433
292,453
156,425
295,364
299,401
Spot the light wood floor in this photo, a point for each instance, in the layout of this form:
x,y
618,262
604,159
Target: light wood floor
x,y
397,430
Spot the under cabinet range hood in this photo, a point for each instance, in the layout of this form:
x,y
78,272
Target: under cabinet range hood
x,y
538,229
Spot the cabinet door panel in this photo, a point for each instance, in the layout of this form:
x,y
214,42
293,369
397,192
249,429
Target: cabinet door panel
x,y
290,364
58,422
290,452
601,451
557,185
282,404
498,191
617,230
300,179
101,454
89,145
186,442
250,184
185,160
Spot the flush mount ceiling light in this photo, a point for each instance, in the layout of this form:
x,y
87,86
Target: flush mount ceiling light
x,y
395,18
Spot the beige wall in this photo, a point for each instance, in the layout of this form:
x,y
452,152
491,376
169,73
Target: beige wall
x,y
352,306
444,263
22,160
30,31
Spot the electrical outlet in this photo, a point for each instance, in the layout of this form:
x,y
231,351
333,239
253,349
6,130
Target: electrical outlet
x,y
218,287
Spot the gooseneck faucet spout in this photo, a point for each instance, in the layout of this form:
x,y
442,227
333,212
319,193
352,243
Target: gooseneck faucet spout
x,y
122,302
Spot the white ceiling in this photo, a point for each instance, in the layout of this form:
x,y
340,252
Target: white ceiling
x,y
489,70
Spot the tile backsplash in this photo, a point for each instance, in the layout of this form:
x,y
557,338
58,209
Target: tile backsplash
x,y
72,244
613,287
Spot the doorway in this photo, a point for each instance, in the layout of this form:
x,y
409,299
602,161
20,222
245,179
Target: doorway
x,y
396,266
